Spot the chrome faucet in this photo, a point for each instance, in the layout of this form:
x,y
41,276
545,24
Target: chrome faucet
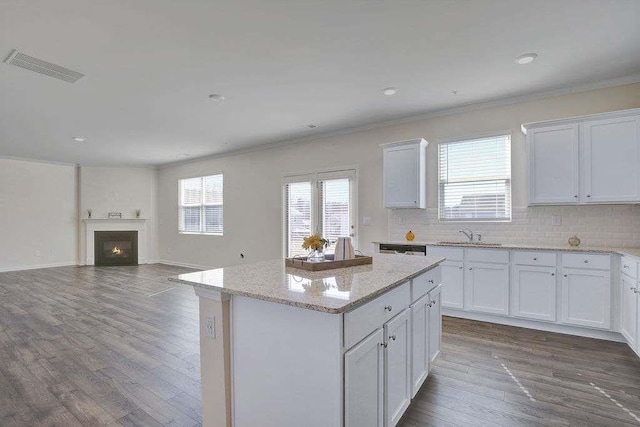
x,y
467,233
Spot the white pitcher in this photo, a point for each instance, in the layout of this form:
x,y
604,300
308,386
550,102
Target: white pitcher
x,y
344,249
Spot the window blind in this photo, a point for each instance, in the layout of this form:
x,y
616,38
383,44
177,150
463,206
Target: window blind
x,y
298,216
335,217
475,179
201,205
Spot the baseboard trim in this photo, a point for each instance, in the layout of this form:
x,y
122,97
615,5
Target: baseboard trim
x,y
182,264
38,266
532,324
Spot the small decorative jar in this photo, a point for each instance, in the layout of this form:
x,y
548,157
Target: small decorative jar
x,y
574,241
410,236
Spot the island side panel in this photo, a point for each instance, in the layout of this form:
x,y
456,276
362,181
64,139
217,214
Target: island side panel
x,y
287,365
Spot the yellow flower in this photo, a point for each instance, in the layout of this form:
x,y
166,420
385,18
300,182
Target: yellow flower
x,y
314,242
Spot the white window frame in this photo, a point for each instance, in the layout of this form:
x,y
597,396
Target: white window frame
x,y
508,133
315,177
202,205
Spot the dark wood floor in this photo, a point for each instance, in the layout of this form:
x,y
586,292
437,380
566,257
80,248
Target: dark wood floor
x,y
119,346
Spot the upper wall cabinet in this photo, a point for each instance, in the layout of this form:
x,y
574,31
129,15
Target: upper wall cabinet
x,y
585,160
404,174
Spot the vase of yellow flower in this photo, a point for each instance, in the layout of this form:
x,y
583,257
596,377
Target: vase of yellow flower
x,y
316,245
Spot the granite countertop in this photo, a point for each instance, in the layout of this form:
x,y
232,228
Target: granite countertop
x,y
634,252
330,291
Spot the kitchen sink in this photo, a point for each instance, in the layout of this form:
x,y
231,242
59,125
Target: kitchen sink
x,y
470,243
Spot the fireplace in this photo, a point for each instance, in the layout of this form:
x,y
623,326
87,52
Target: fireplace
x,y
116,248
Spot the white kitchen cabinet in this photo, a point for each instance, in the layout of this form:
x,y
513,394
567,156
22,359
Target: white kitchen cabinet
x,y
553,164
585,160
453,284
404,174
610,160
435,322
487,288
533,292
364,382
629,312
420,355
397,368
586,298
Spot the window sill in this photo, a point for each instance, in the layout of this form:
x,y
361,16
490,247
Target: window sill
x,y
196,233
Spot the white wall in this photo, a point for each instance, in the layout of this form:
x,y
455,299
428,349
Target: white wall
x,y
253,198
38,215
113,189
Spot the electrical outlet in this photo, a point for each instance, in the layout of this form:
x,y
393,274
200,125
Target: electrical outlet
x,y
210,327
556,220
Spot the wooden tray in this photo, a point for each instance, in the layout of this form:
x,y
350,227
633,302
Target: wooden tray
x,y
328,264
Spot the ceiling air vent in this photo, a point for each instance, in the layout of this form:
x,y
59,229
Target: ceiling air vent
x,y
43,67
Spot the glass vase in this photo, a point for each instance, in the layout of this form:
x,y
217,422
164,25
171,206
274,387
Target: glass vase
x,y
317,255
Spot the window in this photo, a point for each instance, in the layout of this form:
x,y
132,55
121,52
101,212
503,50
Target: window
x,y
322,202
201,207
475,179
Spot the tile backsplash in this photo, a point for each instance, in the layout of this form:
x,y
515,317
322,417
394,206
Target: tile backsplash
x,y
602,225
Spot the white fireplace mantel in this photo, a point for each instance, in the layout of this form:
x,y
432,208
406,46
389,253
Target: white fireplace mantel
x,y
125,224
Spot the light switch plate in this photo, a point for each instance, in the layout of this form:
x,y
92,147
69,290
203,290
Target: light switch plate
x,y
556,220
366,220
210,327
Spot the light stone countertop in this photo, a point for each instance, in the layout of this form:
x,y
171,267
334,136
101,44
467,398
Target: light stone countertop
x,y
330,291
634,252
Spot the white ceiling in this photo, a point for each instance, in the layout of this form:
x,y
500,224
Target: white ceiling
x,y
281,64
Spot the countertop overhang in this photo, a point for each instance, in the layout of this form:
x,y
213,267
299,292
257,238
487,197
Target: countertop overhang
x,y
331,291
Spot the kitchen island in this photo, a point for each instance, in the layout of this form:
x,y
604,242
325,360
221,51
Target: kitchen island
x,y
281,346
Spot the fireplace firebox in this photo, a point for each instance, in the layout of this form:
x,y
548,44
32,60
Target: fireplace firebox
x,y
116,248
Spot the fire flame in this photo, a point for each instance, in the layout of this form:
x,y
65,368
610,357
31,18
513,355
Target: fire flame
x,y
116,251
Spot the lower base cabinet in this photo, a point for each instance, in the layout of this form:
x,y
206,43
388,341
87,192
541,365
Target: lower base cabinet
x,y
533,292
630,321
435,323
420,354
453,284
364,382
586,298
397,367
487,288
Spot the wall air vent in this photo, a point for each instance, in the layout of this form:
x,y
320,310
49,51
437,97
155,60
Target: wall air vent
x,y
43,67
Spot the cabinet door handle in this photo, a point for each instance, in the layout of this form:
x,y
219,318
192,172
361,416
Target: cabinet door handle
x,y
433,302
431,281
588,195
388,308
470,268
384,344
460,268
392,337
535,259
625,266
553,274
575,196
566,275
586,261
429,304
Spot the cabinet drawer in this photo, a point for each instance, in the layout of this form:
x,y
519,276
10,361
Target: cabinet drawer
x,y
425,282
365,319
597,262
629,266
451,254
544,259
494,256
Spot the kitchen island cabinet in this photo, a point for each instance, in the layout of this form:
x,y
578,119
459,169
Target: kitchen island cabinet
x,y
287,347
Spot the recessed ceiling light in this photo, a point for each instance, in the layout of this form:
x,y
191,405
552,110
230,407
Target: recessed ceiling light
x,y
454,92
216,97
182,156
79,138
389,91
312,126
527,58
